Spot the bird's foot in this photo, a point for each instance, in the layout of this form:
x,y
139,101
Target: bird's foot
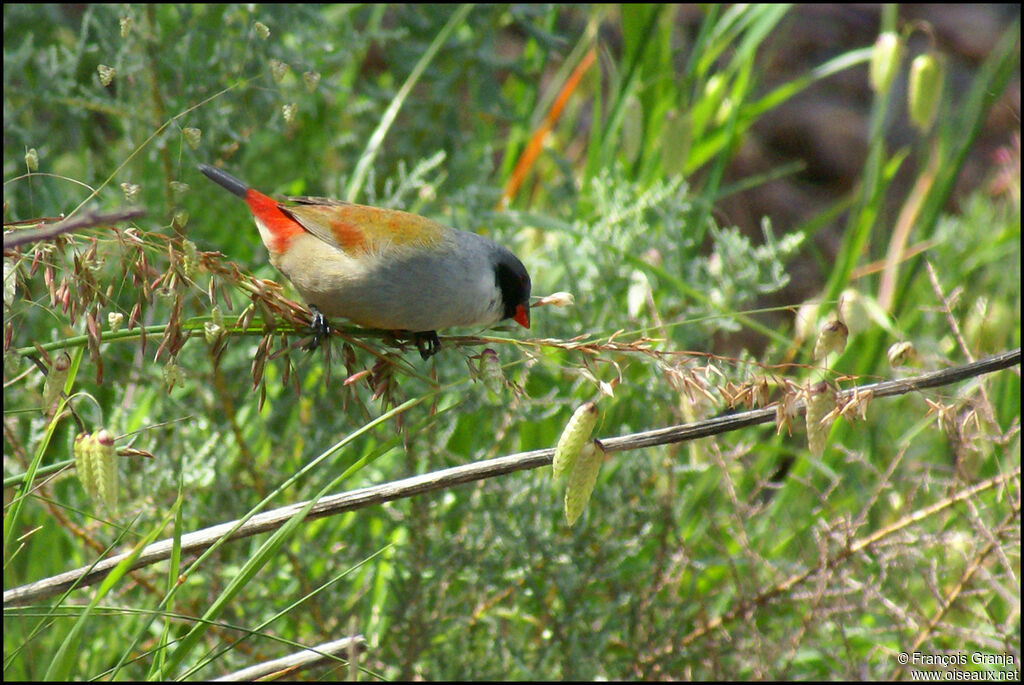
x,y
321,329
427,343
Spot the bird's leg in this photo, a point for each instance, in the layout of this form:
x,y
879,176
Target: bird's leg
x,y
427,343
321,329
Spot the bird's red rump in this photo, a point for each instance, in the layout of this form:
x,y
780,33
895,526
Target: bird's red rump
x,y
280,226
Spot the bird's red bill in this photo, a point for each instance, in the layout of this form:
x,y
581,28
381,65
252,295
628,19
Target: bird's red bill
x,y
522,316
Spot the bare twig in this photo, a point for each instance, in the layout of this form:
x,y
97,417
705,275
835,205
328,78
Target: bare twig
x,y
87,220
286,666
468,473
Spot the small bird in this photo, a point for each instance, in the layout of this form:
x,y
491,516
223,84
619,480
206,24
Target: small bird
x,y
384,268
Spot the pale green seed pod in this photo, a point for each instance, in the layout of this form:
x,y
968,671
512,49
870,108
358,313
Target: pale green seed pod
x,y
114,320
191,258
105,466
32,159
831,338
130,190
261,30
925,90
10,282
582,479
179,219
278,69
885,60
901,353
311,79
82,452
573,437
211,332
491,372
180,189
288,112
193,136
106,74
55,381
560,299
861,312
172,374
821,399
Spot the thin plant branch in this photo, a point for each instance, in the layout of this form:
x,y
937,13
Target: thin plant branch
x,y
287,666
87,220
446,478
